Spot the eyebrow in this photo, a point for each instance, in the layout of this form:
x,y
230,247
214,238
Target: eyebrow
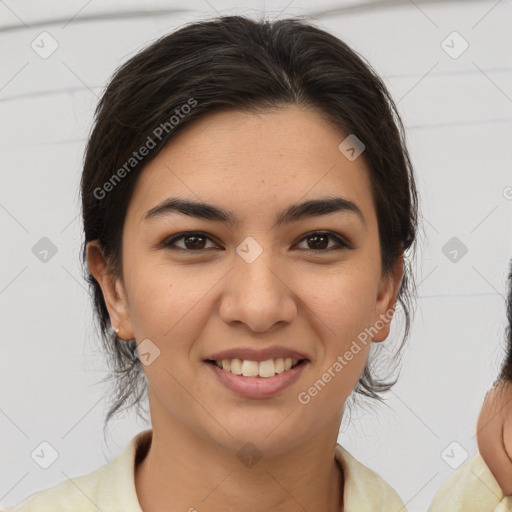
x,y
292,213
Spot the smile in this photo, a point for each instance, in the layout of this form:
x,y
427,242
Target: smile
x,y
265,369
259,379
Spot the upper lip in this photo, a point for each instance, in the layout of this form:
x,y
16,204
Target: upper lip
x,y
259,355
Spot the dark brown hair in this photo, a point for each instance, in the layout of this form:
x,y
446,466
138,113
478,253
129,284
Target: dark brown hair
x,y
237,63
506,370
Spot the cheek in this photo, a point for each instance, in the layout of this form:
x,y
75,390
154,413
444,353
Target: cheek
x,y
164,299
345,302
345,306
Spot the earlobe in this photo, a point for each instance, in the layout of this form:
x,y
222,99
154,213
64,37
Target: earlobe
x,y
112,289
386,300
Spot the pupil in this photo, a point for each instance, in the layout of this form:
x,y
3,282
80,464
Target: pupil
x,y
197,242
316,238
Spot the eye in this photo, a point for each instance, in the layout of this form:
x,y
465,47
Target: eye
x,y
196,241
319,240
193,241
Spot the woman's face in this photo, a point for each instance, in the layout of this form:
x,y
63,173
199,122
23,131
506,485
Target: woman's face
x,y
256,278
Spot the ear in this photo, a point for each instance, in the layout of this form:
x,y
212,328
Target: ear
x,y
113,291
389,287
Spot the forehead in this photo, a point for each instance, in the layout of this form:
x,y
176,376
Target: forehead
x,y
249,160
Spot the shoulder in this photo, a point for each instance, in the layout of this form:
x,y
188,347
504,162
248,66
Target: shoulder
x,y
78,494
110,487
364,490
471,488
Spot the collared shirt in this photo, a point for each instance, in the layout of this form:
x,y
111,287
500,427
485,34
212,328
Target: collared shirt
x,y
471,488
111,488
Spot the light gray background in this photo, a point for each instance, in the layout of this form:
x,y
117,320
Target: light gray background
x,y
458,116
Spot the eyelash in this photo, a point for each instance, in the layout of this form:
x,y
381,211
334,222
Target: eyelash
x,y
168,242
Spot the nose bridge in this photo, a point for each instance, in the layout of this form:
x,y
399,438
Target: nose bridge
x,y
256,262
257,295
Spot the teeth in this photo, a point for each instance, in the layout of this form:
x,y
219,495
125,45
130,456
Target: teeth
x,y
236,366
264,369
250,368
279,365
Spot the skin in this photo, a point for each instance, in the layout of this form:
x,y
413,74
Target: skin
x,y
192,304
494,434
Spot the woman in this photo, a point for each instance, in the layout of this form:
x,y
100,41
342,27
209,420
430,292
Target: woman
x,y
248,202
484,483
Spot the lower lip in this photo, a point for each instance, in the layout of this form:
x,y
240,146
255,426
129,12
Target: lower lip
x,y
258,387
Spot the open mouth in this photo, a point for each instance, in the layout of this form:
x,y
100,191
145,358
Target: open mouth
x,y
264,369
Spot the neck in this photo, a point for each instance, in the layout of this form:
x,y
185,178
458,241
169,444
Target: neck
x,y
182,471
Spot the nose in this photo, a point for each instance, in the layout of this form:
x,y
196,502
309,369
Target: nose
x,y
258,295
